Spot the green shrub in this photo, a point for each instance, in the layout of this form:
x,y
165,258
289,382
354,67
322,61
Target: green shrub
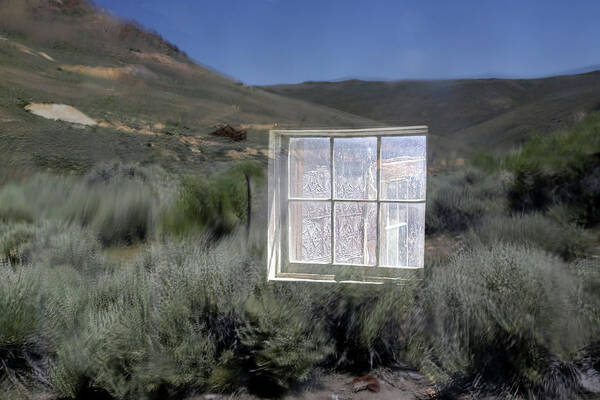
x,y
565,240
216,204
559,151
506,315
559,168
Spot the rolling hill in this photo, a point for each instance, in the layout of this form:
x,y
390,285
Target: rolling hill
x,y
151,103
463,115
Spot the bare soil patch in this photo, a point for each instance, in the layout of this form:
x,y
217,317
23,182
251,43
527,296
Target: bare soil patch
x,y
60,112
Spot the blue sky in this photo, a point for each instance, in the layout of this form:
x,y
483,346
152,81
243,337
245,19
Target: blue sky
x,y
289,41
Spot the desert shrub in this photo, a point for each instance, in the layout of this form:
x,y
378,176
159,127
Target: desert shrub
x,y
19,302
119,203
14,205
538,230
157,328
457,201
281,343
104,354
22,338
60,244
111,171
485,161
367,324
505,316
588,292
216,204
125,217
103,334
51,243
13,238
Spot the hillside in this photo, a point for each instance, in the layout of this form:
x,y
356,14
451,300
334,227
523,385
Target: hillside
x,y
151,103
463,115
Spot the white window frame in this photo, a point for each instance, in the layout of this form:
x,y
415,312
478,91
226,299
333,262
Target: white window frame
x,y
279,199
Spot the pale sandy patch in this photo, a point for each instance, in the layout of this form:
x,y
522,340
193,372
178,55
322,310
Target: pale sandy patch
x,y
247,152
197,141
60,112
126,128
28,50
261,127
111,73
46,56
25,50
166,60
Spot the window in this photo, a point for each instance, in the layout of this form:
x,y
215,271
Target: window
x,y
347,205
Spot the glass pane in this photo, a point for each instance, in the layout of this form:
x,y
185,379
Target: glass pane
x,y
310,231
355,233
403,168
355,168
402,234
310,168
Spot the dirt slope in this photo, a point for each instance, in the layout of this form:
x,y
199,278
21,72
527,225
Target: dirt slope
x,y
151,102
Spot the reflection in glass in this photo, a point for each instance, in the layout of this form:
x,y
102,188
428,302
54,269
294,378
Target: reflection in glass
x,y
355,236
310,168
398,240
403,168
310,231
402,233
355,168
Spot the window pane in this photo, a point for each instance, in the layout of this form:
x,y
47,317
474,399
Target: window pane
x,y
355,233
403,168
310,231
310,168
402,235
355,168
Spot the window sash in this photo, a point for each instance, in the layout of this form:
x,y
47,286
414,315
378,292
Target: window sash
x,y
332,200
279,266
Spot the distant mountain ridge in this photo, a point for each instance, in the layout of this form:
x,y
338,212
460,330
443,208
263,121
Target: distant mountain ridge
x,y
490,75
464,115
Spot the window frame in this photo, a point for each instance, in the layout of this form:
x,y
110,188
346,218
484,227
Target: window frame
x,y
279,229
